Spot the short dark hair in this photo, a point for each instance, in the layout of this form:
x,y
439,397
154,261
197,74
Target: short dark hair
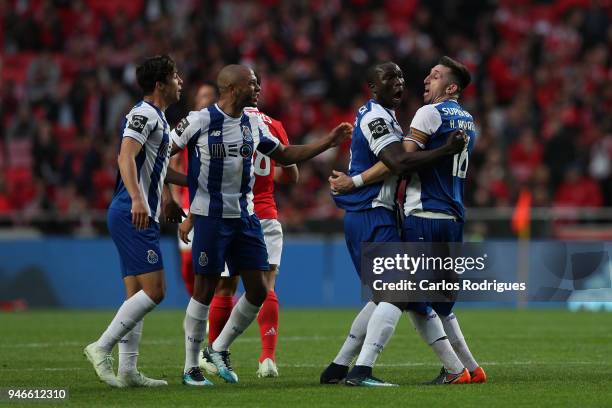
x,y
153,70
375,70
459,72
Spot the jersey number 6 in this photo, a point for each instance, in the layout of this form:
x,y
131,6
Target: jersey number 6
x,y
262,170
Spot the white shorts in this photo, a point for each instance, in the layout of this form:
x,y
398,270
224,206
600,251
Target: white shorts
x,y
273,235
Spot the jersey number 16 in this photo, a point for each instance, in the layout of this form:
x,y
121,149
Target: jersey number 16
x,y
460,163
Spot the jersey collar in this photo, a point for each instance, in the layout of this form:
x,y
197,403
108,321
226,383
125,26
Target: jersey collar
x,y
226,115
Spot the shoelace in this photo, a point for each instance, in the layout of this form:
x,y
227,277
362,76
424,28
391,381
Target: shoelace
x,y
225,357
196,374
108,359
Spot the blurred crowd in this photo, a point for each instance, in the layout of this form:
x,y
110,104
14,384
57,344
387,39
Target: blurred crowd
x,y
541,92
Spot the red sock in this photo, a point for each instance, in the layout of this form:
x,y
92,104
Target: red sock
x,y
268,326
187,271
218,315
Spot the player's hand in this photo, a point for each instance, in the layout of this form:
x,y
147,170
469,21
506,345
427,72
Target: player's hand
x,y
340,133
340,183
456,141
184,229
173,212
140,214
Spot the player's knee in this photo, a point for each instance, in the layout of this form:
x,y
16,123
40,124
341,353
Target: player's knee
x,y
156,294
256,296
227,286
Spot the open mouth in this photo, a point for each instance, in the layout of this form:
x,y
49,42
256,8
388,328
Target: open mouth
x,y
398,95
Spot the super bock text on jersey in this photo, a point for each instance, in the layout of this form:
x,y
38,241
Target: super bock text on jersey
x,y
139,250
221,178
439,188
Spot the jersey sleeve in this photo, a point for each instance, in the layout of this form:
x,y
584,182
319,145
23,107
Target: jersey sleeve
x,y
267,142
378,132
425,123
186,129
139,125
280,133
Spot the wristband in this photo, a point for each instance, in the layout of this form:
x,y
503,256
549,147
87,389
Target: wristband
x,y
358,180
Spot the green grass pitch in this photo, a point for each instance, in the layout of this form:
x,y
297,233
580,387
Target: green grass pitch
x,y
535,358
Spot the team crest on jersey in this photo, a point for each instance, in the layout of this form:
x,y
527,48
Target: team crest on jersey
x,y
182,125
247,136
246,150
138,122
152,257
379,128
203,259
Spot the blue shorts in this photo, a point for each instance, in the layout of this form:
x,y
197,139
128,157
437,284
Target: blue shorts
x,y
373,225
138,250
237,241
420,229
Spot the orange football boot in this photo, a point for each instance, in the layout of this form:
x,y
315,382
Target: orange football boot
x,y
478,375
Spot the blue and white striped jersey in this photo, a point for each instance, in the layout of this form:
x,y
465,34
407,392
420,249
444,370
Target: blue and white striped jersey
x,y
375,128
146,124
220,150
439,188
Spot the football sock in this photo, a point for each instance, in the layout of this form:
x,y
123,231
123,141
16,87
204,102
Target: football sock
x,y
128,349
220,310
457,341
432,332
380,329
357,334
447,356
242,316
268,327
130,312
195,327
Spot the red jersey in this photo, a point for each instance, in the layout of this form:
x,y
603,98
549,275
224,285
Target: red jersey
x,y
263,190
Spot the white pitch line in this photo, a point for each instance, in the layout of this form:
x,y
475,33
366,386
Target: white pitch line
x,y
322,365
165,342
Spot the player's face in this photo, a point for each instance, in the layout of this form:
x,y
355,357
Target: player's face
x,y
436,84
248,93
205,97
390,86
172,88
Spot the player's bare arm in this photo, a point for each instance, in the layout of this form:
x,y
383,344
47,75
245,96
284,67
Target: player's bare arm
x,y
402,163
185,228
298,153
176,163
175,149
173,213
341,183
130,148
176,178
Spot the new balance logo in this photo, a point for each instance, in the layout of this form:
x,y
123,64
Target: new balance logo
x,y
221,151
271,332
217,150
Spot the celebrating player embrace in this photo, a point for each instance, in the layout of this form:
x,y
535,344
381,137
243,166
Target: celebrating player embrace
x,y
433,212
